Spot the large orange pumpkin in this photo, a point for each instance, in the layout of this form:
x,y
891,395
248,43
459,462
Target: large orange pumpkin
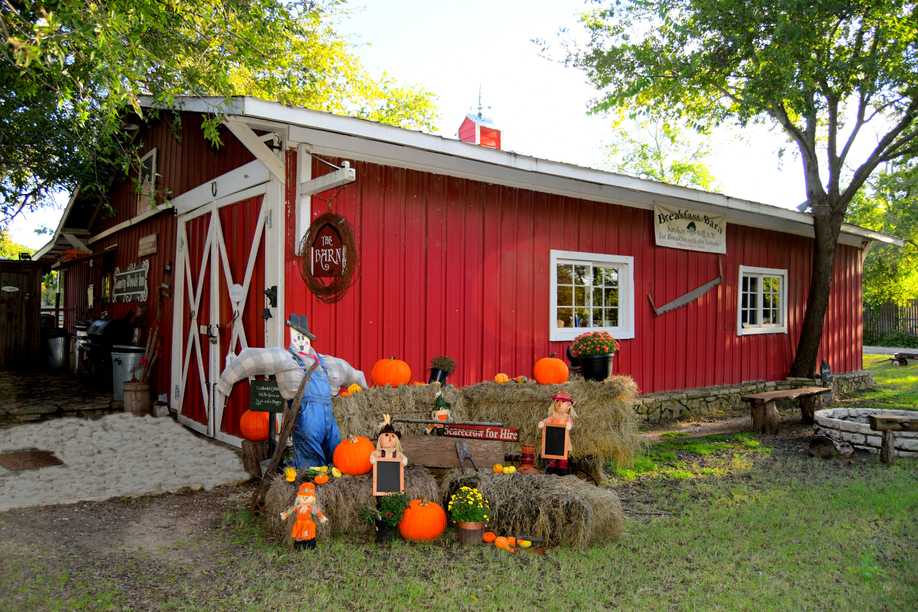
x,y
254,426
352,455
422,521
392,372
550,371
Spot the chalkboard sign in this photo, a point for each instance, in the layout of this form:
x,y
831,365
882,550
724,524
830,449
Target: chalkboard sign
x,y
555,442
264,396
388,476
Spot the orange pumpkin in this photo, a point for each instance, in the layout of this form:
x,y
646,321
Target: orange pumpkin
x,y
488,536
422,521
550,371
392,372
501,378
321,479
352,455
511,540
254,426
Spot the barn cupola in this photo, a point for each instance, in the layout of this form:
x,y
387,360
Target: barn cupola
x,y
476,129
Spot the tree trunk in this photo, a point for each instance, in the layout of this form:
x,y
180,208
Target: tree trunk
x,y
827,226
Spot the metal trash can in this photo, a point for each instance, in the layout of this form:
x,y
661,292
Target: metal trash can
x,y
125,362
58,355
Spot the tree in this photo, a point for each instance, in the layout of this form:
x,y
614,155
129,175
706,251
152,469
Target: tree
x,y
821,70
70,69
10,249
890,205
661,151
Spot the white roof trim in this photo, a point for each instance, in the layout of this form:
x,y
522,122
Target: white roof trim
x,y
374,142
60,226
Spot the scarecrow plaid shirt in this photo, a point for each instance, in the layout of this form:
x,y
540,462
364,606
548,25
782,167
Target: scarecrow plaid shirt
x,y
275,361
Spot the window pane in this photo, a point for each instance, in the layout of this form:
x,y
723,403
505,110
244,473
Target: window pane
x,y
565,296
597,297
580,296
599,276
581,317
745,284
611,296
753,284
565,317
565,275
610,317
581,275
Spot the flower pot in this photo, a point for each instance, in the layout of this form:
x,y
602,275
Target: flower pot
x,y
596,367
469,533
527,460
437,375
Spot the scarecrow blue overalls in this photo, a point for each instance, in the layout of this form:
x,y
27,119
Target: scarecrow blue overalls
x,y
316,432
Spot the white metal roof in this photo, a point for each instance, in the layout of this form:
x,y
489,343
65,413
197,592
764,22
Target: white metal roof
x,y
353,138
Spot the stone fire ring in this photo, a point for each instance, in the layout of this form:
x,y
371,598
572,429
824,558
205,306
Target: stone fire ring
x,y
852,425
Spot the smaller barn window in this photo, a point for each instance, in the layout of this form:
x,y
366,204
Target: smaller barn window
x,y
589,292
146,182
762,307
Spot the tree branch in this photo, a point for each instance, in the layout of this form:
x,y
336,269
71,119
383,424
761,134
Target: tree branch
x,y
814,188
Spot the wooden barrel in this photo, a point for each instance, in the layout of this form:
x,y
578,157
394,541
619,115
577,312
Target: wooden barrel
x,y
137,398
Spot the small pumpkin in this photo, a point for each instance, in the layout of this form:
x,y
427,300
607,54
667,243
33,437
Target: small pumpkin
x,y
501,378
321,479
254,426
422,521
497,468
354,388
503,543
343,393
550,371
511,540
352,455
391,371
488,537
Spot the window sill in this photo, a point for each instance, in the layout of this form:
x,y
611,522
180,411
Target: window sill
x,y
566,334
754,331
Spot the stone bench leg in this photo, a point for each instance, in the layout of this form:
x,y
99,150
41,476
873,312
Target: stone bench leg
x,y
765,417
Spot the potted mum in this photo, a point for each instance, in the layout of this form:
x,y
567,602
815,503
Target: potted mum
x,y
440,368
386,515
469,510
594,350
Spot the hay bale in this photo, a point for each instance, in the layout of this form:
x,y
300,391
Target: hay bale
x,y
606,425
341,500
361,413
564,511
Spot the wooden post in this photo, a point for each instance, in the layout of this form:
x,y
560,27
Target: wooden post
x,y
887,450
772,418
809,404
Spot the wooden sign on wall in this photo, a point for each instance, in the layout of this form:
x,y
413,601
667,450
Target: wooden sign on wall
x,y
329,257
146,246
131,283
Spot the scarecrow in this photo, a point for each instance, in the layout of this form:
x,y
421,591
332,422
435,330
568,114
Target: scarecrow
x,y
316,433
305,506
388,443
560,414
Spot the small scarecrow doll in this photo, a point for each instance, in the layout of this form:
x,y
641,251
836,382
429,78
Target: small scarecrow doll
x,y
560,414
388,443
305,506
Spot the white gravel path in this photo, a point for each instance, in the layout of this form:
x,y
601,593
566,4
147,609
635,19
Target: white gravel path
x,y
117,455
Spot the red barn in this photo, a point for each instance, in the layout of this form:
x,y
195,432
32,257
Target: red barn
x,y
490,257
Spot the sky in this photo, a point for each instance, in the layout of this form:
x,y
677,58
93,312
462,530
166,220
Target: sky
x,y
455,47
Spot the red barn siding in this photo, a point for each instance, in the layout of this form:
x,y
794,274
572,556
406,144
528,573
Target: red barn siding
x,y
458,267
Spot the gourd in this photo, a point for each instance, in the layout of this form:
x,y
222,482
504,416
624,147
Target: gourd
x,y
550,371
392,372
501,378
423,521
254,426
352,455
354,388
321,479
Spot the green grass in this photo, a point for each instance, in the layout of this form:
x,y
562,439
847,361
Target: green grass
x,y
897,386
680,457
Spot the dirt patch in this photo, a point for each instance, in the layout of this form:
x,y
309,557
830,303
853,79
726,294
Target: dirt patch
x,y
28,459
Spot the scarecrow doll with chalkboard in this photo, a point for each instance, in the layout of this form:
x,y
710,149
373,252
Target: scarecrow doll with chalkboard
x,y
305,507
560,415
388,455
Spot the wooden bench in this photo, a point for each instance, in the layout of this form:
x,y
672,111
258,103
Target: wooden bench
x,y
765,417
888,425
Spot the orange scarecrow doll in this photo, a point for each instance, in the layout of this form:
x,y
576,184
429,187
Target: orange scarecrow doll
x,y
560,414
305,506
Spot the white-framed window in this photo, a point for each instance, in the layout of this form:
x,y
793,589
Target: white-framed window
x,y
146,182
591,292
762,301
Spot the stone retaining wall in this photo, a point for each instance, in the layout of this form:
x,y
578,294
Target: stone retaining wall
x,y
851,425
724,401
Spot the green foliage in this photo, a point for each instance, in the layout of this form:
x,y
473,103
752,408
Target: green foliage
x,y
891,206
661,151
10,249
390,510
897,386
70,69
468,505
679,457
897,339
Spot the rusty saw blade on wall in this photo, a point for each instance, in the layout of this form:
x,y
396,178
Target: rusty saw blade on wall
x,y
691,296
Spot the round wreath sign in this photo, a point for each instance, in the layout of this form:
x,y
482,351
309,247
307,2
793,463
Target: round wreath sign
x,y
328,257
